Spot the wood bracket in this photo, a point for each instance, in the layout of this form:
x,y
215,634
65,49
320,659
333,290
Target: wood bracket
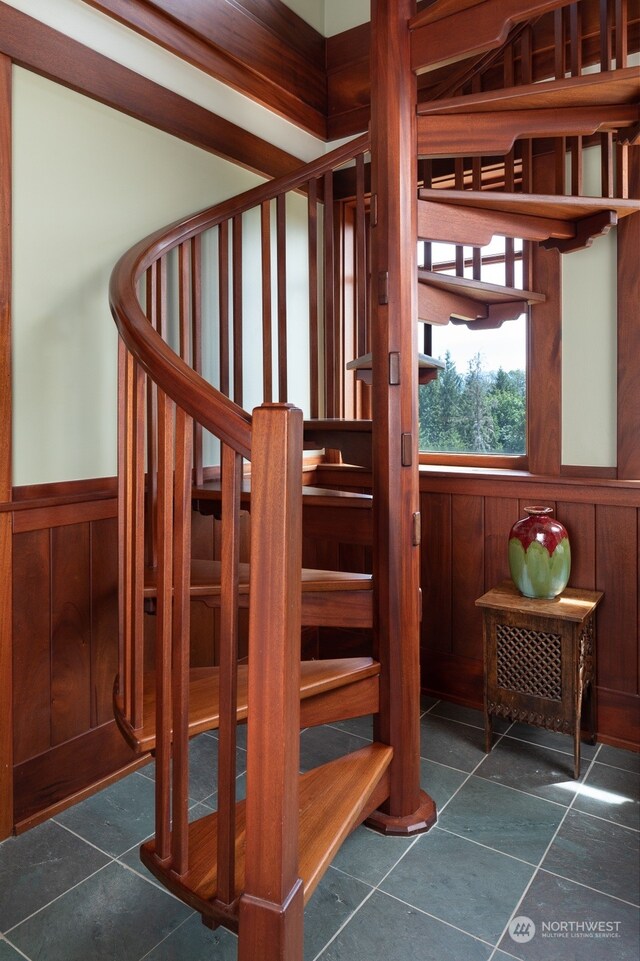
x,y
586,230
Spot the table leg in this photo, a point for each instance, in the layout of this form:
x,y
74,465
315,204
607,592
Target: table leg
x,y
488,732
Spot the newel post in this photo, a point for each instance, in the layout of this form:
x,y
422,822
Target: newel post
x,y
396,501
271,909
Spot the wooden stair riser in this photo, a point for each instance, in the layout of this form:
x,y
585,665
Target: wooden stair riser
x,y
334,799
330,690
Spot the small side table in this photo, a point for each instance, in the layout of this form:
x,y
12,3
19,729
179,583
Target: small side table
x,y
539,659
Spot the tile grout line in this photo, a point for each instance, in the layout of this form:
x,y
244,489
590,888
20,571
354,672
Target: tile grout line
x,y
474,937
57,898
537,869
590,887
402,856
13,946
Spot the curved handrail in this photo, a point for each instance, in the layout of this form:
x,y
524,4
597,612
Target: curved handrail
x,y
207,405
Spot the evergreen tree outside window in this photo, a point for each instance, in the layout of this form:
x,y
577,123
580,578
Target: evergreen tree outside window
x,y
477,405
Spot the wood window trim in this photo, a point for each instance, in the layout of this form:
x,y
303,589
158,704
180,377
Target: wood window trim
x,y
6,600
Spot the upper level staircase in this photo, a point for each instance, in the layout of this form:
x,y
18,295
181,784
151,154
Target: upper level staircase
x,y
254,863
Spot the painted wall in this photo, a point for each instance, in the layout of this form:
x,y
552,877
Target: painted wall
x,y
589,344
88,183
78,20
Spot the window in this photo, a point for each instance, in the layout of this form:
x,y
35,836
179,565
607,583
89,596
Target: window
x,y
476,408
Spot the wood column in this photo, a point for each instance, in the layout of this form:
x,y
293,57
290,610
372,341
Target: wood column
x,y
629,333
395,415
6,684
544,365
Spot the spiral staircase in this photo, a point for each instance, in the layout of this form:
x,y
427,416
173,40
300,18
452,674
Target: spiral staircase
x,y
254,863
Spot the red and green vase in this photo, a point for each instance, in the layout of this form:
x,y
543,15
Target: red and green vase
x,y
539,554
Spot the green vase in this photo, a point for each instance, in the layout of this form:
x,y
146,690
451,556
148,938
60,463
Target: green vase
x,y
539,554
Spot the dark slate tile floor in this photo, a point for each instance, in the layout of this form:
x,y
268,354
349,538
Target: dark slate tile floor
x,y
525,864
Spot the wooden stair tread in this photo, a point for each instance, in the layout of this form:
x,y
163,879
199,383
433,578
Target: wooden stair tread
x,y
606,88
333,800
428,368
561,208
210,490
478,290
351,437
206,578
316,678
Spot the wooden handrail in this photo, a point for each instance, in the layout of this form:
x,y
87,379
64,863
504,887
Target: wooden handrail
x,y
209,407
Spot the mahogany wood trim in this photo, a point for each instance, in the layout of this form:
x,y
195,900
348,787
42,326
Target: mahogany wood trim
x,y
575,470
395,478
41,518
266,52
37,47
447,135
489,483
471,30
50,782
608,88
628,279
6,628
544,375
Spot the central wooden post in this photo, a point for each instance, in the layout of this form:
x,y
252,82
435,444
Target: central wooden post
x,y
395,412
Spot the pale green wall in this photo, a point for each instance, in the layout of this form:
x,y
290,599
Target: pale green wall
x,y
589,344
88,183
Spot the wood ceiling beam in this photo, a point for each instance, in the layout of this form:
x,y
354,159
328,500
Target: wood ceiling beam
x,y
258,47
51,54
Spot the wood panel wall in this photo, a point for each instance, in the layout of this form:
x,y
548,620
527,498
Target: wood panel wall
x,y
466,521
65,648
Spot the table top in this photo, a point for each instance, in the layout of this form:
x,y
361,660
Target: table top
x,y
573,604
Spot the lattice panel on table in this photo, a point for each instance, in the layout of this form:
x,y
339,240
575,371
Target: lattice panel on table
x,y
529,661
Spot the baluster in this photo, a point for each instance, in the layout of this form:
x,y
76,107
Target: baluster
x,y
151,558
184,300
125,527
509,178
526,59
476,184
180,631
223,300
164,537
576,69
606,139
561,143
622,49
361,259
622,33
231,478
196,340
237,310
135,508
426,173
267,333
281,253
459,182
314,343
330,345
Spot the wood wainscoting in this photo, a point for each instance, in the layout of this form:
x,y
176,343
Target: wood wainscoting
x,y
466,519
65,646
